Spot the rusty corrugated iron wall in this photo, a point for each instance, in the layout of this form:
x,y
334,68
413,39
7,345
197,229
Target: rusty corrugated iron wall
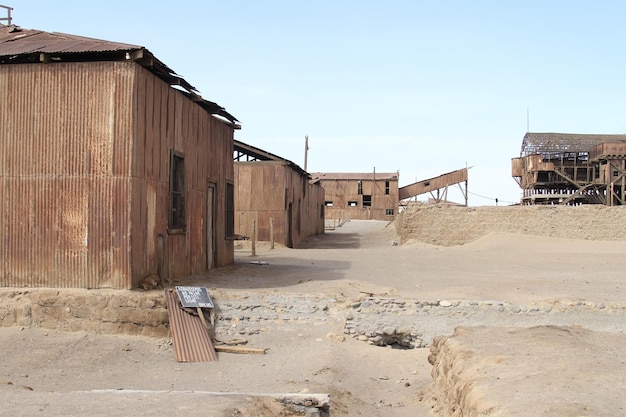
x,y
65,140
265,189
84,176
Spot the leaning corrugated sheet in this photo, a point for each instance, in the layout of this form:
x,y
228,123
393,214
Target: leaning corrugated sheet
x,y
192,341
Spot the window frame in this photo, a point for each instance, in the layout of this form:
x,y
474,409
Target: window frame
x,y
176,212
229,202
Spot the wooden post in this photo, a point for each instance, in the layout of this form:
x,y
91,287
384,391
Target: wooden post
x,y
253,237
271,233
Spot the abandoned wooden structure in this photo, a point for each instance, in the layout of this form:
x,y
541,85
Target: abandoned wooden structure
x,y
275,195
108,174
558,168
360,196
437,186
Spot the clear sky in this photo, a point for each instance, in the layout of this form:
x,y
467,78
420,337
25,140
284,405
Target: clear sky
x,y
419,87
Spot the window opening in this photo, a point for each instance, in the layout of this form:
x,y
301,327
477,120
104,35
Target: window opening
x,y
367,201
230,210
177,192
360,187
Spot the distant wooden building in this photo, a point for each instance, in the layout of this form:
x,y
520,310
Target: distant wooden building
x,y
559,168
107,173
360,196
277,195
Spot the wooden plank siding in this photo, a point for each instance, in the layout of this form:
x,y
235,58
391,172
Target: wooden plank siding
x,y
339,192
84,175
264,190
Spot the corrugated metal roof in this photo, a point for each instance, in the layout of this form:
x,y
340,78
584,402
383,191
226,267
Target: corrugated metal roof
x,y
15,41
19,45
355,176
542,143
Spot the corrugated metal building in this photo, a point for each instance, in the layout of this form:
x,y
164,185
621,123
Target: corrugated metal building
x,y
360,196
565,168
107,173
278,195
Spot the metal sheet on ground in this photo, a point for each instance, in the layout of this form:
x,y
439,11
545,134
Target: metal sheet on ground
x,y
192,341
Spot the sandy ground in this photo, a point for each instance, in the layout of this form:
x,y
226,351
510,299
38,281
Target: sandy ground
x,y
54,373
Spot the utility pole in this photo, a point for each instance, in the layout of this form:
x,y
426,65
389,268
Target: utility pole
x,y
306,150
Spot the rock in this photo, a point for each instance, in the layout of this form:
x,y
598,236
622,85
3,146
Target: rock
x,y
445,303
389,331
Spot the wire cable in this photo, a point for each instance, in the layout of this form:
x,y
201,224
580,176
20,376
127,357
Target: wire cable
x,y
497,200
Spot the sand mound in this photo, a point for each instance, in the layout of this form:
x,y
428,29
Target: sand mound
x,y
559,371
448,225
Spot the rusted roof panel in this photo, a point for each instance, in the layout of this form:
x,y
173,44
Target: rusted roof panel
x,y
19,45
15,40
192,341
545,143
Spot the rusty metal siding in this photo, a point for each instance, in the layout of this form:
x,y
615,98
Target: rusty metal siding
x,y
165,120
264,190
192,341
65,134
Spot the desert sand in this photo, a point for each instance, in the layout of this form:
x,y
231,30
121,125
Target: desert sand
x,y
519,311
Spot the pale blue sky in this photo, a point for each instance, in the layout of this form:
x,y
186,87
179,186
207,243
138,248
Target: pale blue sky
x,y
423,87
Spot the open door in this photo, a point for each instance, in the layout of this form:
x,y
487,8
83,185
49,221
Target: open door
x,y
210,226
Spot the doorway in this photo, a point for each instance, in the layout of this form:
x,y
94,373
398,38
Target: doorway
x,y
210,225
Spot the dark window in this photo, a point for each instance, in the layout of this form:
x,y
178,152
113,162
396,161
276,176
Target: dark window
x,y
367,201
352,203
387,187
230,210
177,193
360,187
615,173
389,212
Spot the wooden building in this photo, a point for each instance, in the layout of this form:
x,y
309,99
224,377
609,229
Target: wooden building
x,y
360,196
108,174
277,196
559,168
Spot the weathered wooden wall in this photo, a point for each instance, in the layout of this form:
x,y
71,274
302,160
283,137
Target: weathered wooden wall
x,y
342,191
265,190
84,175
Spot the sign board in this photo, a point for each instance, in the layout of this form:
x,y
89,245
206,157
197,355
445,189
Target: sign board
x,y
194,297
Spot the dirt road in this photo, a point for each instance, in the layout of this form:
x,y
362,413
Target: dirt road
x,y
56,373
